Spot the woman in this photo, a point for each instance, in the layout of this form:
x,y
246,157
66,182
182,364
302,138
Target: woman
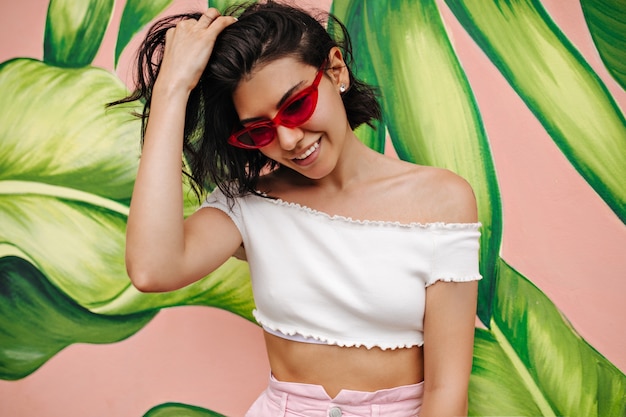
x,y
364,267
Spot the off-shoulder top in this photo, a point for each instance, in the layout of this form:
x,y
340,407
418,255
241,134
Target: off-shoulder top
x,y
331,279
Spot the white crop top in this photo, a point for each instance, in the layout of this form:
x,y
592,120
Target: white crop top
x,y
346,282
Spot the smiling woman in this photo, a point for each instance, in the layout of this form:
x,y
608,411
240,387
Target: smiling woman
x,y
62,278
264,106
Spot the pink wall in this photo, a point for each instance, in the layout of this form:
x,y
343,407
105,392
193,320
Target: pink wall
x,y
557,232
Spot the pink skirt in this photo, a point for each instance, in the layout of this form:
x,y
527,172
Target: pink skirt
x,y
287,399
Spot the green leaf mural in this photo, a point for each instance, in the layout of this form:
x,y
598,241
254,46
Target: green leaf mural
x,y
137,14
532,362
558,86
67,168
74,31
227,288
66,174
180,410
38,320
607,24
65,160
55,129
222,5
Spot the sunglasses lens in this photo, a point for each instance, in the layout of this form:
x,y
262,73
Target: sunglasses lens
x,y
256,137
299,110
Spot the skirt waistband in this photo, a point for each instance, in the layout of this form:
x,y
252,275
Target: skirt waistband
x,y
309,399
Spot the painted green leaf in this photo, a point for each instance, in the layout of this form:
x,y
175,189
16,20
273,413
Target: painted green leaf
x,y
65,160
222,5
351,14
74,31
495,388
180,410
342,9
228,288
54,128
64,192
137,14
66,172
558,86
372,137
430,111
606,20
77,241
533,363
38,320
74,238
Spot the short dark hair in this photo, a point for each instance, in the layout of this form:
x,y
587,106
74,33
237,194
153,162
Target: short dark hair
x,y
265,32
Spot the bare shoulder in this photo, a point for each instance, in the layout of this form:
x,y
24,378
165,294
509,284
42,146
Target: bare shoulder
x,y
442,195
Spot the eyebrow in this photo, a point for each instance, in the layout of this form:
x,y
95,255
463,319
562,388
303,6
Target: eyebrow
x,y
282,101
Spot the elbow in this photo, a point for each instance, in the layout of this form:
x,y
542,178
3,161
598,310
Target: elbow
x,y
145,280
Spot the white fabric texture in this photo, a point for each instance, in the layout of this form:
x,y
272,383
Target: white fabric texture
x,y
342,281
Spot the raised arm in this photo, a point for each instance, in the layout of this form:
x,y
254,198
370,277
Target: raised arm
x,y
163,252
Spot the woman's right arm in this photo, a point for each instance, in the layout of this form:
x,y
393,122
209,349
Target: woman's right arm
x,y
164,252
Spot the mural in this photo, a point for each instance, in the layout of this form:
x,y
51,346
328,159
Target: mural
x,y
67,167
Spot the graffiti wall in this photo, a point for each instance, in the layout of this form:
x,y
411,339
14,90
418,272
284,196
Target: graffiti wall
x,y
525,99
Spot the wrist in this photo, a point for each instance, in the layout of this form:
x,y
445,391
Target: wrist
x,y
170,90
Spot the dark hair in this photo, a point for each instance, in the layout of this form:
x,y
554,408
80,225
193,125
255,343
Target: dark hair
x,y
265,32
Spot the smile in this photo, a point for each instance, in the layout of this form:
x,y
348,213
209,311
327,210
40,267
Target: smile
x,y
309,151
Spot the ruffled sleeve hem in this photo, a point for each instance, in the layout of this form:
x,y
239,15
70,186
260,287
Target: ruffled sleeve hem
x,y
468,278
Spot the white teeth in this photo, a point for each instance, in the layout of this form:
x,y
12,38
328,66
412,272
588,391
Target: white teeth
x,y
309,151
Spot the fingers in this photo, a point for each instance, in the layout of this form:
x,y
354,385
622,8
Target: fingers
x,y
210,24
209,16
222,22
188,48
213,19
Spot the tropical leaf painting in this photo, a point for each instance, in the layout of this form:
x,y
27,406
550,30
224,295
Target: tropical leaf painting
x,y
63,207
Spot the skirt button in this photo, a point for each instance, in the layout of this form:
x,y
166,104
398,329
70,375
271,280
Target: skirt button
x,y
335,412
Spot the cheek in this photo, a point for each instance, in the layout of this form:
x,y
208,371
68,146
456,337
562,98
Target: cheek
x,y
272,151
330,111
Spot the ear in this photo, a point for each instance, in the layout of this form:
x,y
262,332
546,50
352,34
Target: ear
x,y
338,70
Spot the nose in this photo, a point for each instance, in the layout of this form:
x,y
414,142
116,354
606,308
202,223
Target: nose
x,y
288,137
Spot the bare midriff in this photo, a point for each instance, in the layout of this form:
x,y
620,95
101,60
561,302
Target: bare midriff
x,y
336,368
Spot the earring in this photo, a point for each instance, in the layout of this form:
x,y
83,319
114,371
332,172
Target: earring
x,y
342,88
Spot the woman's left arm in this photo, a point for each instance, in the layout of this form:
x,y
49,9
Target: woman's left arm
x,y
450,314
448,347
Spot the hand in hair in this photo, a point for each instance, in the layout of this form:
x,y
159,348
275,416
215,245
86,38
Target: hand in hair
x,y
188,47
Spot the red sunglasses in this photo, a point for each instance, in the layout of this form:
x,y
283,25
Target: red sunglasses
x,y
293,113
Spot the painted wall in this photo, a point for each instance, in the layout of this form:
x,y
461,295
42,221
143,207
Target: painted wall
x,y
558,231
